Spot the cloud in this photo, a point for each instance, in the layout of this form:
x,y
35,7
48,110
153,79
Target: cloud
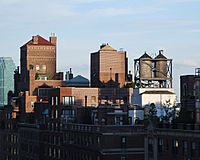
x,y
10,2
194,30
188,63
111,12
88,1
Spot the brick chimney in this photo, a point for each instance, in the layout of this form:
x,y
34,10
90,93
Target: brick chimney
x,y
53,38
35,39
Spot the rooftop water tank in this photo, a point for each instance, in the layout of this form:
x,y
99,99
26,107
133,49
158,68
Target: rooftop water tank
x,y
160,66
145,66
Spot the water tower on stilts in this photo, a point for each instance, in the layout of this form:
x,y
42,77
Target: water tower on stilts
x,y
153,82
153,72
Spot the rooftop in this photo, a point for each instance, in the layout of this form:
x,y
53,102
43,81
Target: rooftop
x,y
40,41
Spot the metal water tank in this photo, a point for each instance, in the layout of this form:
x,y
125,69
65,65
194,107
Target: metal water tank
x,y
145,66
160,66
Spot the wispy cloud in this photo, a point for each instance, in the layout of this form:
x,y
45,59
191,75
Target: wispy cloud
x,y
111,12
188,63
88,1
194,30
10,2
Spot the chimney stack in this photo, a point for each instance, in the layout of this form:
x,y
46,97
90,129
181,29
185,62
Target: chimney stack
x,y
53,38
35,39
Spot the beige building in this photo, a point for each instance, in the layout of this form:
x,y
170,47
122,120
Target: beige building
x,y
108,67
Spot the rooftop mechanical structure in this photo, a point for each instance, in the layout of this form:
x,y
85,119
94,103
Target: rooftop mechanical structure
x,y
153,72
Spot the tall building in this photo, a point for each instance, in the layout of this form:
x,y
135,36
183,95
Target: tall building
x,y
38,58
7,68
37,68
108,67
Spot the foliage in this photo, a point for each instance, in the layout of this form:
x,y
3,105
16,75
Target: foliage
x,y
129,85
150,111
153,110
168,112
37,77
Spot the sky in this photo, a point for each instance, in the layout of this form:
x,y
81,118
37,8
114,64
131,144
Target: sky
x,y
83,25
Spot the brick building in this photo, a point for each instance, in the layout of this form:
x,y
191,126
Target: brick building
x,y
37,68
108,67
87,97
54,138
187,94
178,141
190,96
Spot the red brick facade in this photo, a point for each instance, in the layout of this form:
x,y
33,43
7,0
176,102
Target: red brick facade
x,y
108,67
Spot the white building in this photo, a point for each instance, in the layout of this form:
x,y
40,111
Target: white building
x,y
160,97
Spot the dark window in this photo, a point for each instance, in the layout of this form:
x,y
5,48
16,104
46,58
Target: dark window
x,y
116,77
160,145
123,140
175,145
150,145
85,101
184,90
193,149
185,147
167,144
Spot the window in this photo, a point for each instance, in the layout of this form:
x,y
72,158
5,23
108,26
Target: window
x,y
185,147
32,104
68,100
123,141
123,158
44,78
43,92
49,151
44,68
193,148
54,152
150,145
37,67
56,100
56,113
119,120
117,77
52,100
93,98
160,145
58,153
175,146
167,144
85,101
98,140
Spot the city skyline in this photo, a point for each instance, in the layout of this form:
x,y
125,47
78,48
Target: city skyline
x,y
82,26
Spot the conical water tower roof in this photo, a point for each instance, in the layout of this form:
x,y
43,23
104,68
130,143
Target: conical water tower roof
x,y
146,56
160,55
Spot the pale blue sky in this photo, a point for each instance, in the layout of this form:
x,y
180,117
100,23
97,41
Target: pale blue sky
x,y
82,25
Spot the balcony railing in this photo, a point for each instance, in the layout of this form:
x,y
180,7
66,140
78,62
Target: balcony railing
x,y
103,128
